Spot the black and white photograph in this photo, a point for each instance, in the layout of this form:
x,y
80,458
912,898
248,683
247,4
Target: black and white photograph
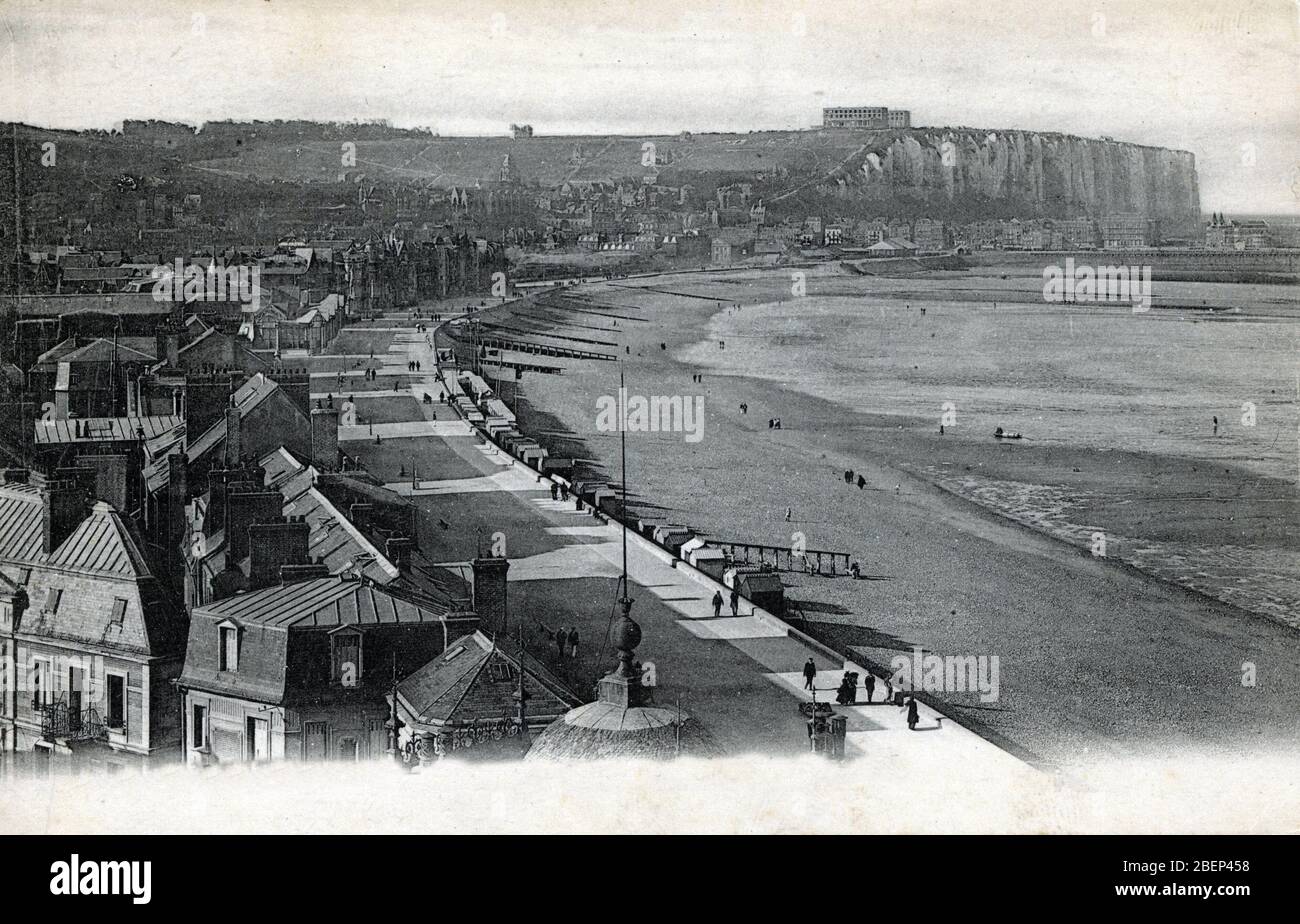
x,y
729,418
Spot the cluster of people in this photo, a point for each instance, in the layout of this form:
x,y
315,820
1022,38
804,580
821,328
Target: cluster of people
x,y
372,374
848,478
847,694
413,366
566,642
774,423
559,491
717,603
697,378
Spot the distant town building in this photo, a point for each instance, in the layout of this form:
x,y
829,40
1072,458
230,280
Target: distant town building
x,y
521,131
865,117
1128,232
1226,234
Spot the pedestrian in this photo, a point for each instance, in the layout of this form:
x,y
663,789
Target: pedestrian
x,y
561,637
911,713
555,491
573,643
1216,424
809,674
862,482
848,476
717,604
870,684
788,511
735,602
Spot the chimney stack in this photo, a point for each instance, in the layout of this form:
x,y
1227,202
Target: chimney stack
x,y
325,438
271,546
63,509
243,509
234,447
490,593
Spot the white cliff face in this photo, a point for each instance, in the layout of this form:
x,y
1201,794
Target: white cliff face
x,y
1038,174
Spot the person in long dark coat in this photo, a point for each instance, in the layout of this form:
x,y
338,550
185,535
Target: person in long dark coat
x,y
870,684
561,639
735,602
809,674
573,642
717,604
911,713
862,482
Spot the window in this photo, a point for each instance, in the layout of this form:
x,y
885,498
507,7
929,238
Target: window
x,y
119,610
199,727
346,660
499,670
229,653
40,683
116,717
52,598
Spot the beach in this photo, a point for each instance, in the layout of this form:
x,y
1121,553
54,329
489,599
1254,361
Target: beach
x,y
968,545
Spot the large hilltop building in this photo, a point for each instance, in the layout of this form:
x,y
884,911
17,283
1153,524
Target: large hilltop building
x,y
865,117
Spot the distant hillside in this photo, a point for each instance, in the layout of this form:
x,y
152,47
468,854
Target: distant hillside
x,y
950,173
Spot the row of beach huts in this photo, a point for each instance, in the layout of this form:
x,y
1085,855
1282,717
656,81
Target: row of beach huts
x,y
479,405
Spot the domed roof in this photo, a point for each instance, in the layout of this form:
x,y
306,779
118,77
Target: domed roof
x,y
603,729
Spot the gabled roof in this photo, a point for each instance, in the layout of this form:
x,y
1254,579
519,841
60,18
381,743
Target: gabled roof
x,y
437,692
323,603
333,540
246,397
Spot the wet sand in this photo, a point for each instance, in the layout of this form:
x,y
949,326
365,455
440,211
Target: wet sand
x,y
1096,656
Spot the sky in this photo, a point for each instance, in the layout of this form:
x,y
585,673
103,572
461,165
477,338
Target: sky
x,y
1219,79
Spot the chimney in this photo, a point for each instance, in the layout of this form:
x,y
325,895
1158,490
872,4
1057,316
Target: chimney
x,y
111,474
490,593
244,508
234,446
64,507
292,573
272,546
325,438
397,549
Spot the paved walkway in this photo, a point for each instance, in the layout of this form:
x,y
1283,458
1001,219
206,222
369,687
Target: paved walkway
x,y
740,675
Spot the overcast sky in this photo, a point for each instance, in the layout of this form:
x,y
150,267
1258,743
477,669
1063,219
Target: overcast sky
x,y
1218,79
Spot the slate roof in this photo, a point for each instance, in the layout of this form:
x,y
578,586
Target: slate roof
x,y
119,303
248,396
435,693
326,602
107,595
106,429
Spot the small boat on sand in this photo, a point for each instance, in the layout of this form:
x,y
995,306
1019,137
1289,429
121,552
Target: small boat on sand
x,y
1000,434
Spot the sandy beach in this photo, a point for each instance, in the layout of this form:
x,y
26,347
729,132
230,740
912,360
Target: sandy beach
x,y
1140,650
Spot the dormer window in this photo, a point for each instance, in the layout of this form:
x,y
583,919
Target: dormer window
x,y
228,646
52,598
345,657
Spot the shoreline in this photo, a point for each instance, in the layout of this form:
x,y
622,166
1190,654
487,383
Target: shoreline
x,y
550,405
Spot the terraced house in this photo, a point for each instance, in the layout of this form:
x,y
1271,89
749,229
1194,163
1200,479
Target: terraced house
x,y
90,640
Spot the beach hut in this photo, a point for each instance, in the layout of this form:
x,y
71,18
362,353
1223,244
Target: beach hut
x,y
602,496
663,530
561,468
690,546
647,525
585,489
533,456
712,562
762,589
674,541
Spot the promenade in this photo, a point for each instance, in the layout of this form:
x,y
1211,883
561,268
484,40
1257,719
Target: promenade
x,y
741,676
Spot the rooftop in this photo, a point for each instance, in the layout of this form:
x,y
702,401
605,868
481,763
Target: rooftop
x,y
326,602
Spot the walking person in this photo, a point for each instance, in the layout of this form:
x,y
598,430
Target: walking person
x,y
870,684
717,604
809,674
911,713
735,602
555,491
573,643
561,638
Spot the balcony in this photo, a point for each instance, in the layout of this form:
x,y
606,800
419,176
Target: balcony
x,y
61,721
